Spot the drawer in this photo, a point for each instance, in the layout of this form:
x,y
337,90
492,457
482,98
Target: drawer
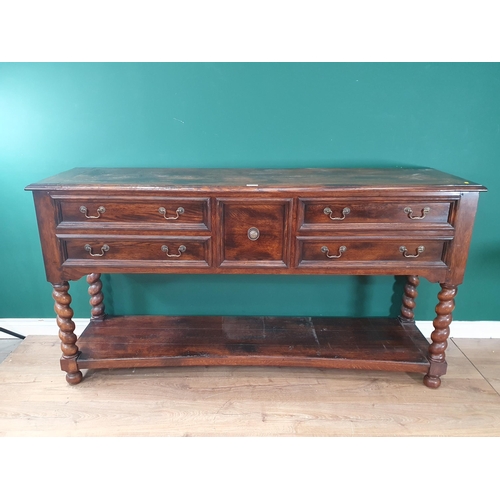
x,y
165,212
337,213
255,233
175,251
336,251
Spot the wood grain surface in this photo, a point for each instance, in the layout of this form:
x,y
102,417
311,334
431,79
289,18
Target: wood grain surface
x,y
153,341
165,179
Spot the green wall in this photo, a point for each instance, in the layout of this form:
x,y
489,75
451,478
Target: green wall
x,y
57,116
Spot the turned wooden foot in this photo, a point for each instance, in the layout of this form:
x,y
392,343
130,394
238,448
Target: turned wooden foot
x,y
432,381
409,296
96,296
66,332
440,335
74,378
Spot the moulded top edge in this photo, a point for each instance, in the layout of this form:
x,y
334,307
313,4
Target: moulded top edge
x,y
256,179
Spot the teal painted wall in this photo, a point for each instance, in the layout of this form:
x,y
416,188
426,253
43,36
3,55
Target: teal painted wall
x,y
57,116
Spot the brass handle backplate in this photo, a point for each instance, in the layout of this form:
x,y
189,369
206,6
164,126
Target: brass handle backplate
x,y
325,250
404,251
88,249
163,211
424,212
85,211
253,234
345,211
181,250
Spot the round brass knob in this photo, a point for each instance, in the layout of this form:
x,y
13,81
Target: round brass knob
x,y
253,234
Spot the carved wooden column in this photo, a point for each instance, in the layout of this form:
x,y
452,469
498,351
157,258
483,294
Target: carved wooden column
x,y
66,332
440,335
409,296
96,296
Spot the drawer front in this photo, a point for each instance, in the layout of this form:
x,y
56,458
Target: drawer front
x,y
254,233
336,251
333,213
178,251
169,213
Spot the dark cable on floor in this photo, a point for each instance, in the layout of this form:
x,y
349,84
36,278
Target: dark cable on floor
x,y
8,332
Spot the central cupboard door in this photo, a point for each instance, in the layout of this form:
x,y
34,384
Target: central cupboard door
x,y
254,233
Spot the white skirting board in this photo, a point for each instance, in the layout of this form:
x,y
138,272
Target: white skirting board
x,y
47,326
37,326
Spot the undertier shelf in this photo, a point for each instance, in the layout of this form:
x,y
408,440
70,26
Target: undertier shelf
x,y
351,343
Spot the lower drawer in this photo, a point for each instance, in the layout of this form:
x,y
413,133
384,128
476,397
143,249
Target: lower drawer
x,y
336,251
175,251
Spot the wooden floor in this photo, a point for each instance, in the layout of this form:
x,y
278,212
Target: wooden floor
x,y
245,401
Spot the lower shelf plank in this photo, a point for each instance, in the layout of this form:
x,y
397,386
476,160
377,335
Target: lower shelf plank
x,y
152,341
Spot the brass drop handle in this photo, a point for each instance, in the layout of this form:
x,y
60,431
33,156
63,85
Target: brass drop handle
x,y
163,211
345,211
253,234
404,251
85,211
88,249
424,212
342,249
181,250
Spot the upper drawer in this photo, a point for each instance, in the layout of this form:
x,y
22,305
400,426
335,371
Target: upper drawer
x,y
336,213
106,211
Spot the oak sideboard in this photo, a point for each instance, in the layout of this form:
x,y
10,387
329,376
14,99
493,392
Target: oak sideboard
x,y
413,222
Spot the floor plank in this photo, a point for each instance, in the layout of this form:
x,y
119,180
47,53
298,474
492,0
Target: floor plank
x,y
7,346
485,356
239,401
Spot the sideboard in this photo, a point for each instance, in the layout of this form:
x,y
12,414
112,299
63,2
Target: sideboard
x,y
413,222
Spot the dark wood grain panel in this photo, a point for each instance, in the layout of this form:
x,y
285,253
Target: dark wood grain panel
x,y
103,212
52,249
195,250
311,251
312,213
457,251
253,179
375,343
269,219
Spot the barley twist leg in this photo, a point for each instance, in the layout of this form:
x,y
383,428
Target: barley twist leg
x,y
96,296
440,335
66,332
409,296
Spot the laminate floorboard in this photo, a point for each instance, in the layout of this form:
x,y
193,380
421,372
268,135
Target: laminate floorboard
x,y
35,399
484,354
7,346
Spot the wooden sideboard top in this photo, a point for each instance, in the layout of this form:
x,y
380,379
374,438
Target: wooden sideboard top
x,y
187,179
